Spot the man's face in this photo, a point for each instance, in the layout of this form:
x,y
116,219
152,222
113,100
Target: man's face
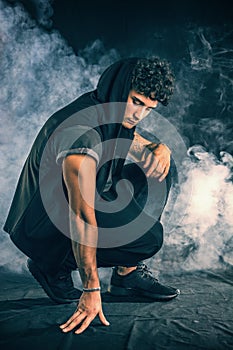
x,y
137,108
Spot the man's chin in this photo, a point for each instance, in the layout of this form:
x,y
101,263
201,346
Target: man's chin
x,y
127,125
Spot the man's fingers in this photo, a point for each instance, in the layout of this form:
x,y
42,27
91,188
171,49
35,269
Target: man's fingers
x,y
155,166
77,313
160,171
85,324
79,317
103,319
162,177
148,160
89,319
152,166
72,324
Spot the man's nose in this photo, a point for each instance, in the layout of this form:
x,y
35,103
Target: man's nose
x,y
139,113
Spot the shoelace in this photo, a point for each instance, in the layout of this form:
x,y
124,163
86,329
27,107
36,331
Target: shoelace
x,y
145,271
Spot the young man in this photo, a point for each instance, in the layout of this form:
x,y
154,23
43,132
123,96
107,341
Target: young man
x,y
78,159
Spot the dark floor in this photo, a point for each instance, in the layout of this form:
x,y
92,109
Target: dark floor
x,y
200,318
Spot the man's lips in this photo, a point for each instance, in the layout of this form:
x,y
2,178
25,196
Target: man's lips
x,y
130,121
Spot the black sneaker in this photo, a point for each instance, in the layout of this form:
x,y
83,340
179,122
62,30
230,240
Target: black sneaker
x,y
140,282
59,288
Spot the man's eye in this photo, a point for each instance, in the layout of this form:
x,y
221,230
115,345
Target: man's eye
x,y
137,103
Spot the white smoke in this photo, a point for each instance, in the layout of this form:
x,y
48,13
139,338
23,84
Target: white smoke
x,y
201,52
201,236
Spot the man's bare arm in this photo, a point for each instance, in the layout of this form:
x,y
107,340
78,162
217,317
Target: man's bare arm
x,y
79,173
156,157
138,147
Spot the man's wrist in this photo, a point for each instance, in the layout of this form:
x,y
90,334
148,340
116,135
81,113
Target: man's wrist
x,y
91,283
153,146
90,290
89,277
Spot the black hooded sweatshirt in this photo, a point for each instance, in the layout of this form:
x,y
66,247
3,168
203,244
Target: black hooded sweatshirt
x,y
27,223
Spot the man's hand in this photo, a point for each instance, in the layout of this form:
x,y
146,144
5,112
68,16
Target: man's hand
x,y
89,307
157,161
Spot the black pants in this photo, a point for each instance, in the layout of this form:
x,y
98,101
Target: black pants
x,y
150,242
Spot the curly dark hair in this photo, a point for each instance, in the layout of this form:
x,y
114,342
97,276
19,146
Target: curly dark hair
x,y
153,76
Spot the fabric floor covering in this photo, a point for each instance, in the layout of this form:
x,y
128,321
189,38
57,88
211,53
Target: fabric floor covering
x,y
201,317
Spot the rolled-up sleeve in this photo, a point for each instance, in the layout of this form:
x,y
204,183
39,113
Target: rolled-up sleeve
x,y
77,140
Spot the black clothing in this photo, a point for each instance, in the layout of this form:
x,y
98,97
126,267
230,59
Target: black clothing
x,y
28,223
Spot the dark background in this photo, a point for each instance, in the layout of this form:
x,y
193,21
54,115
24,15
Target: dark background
x,y
128,25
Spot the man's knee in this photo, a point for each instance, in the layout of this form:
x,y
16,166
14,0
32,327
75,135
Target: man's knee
x,y
150,243
130,254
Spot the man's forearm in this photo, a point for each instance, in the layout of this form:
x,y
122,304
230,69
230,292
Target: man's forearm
x,y
87,266
138,147
84,241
